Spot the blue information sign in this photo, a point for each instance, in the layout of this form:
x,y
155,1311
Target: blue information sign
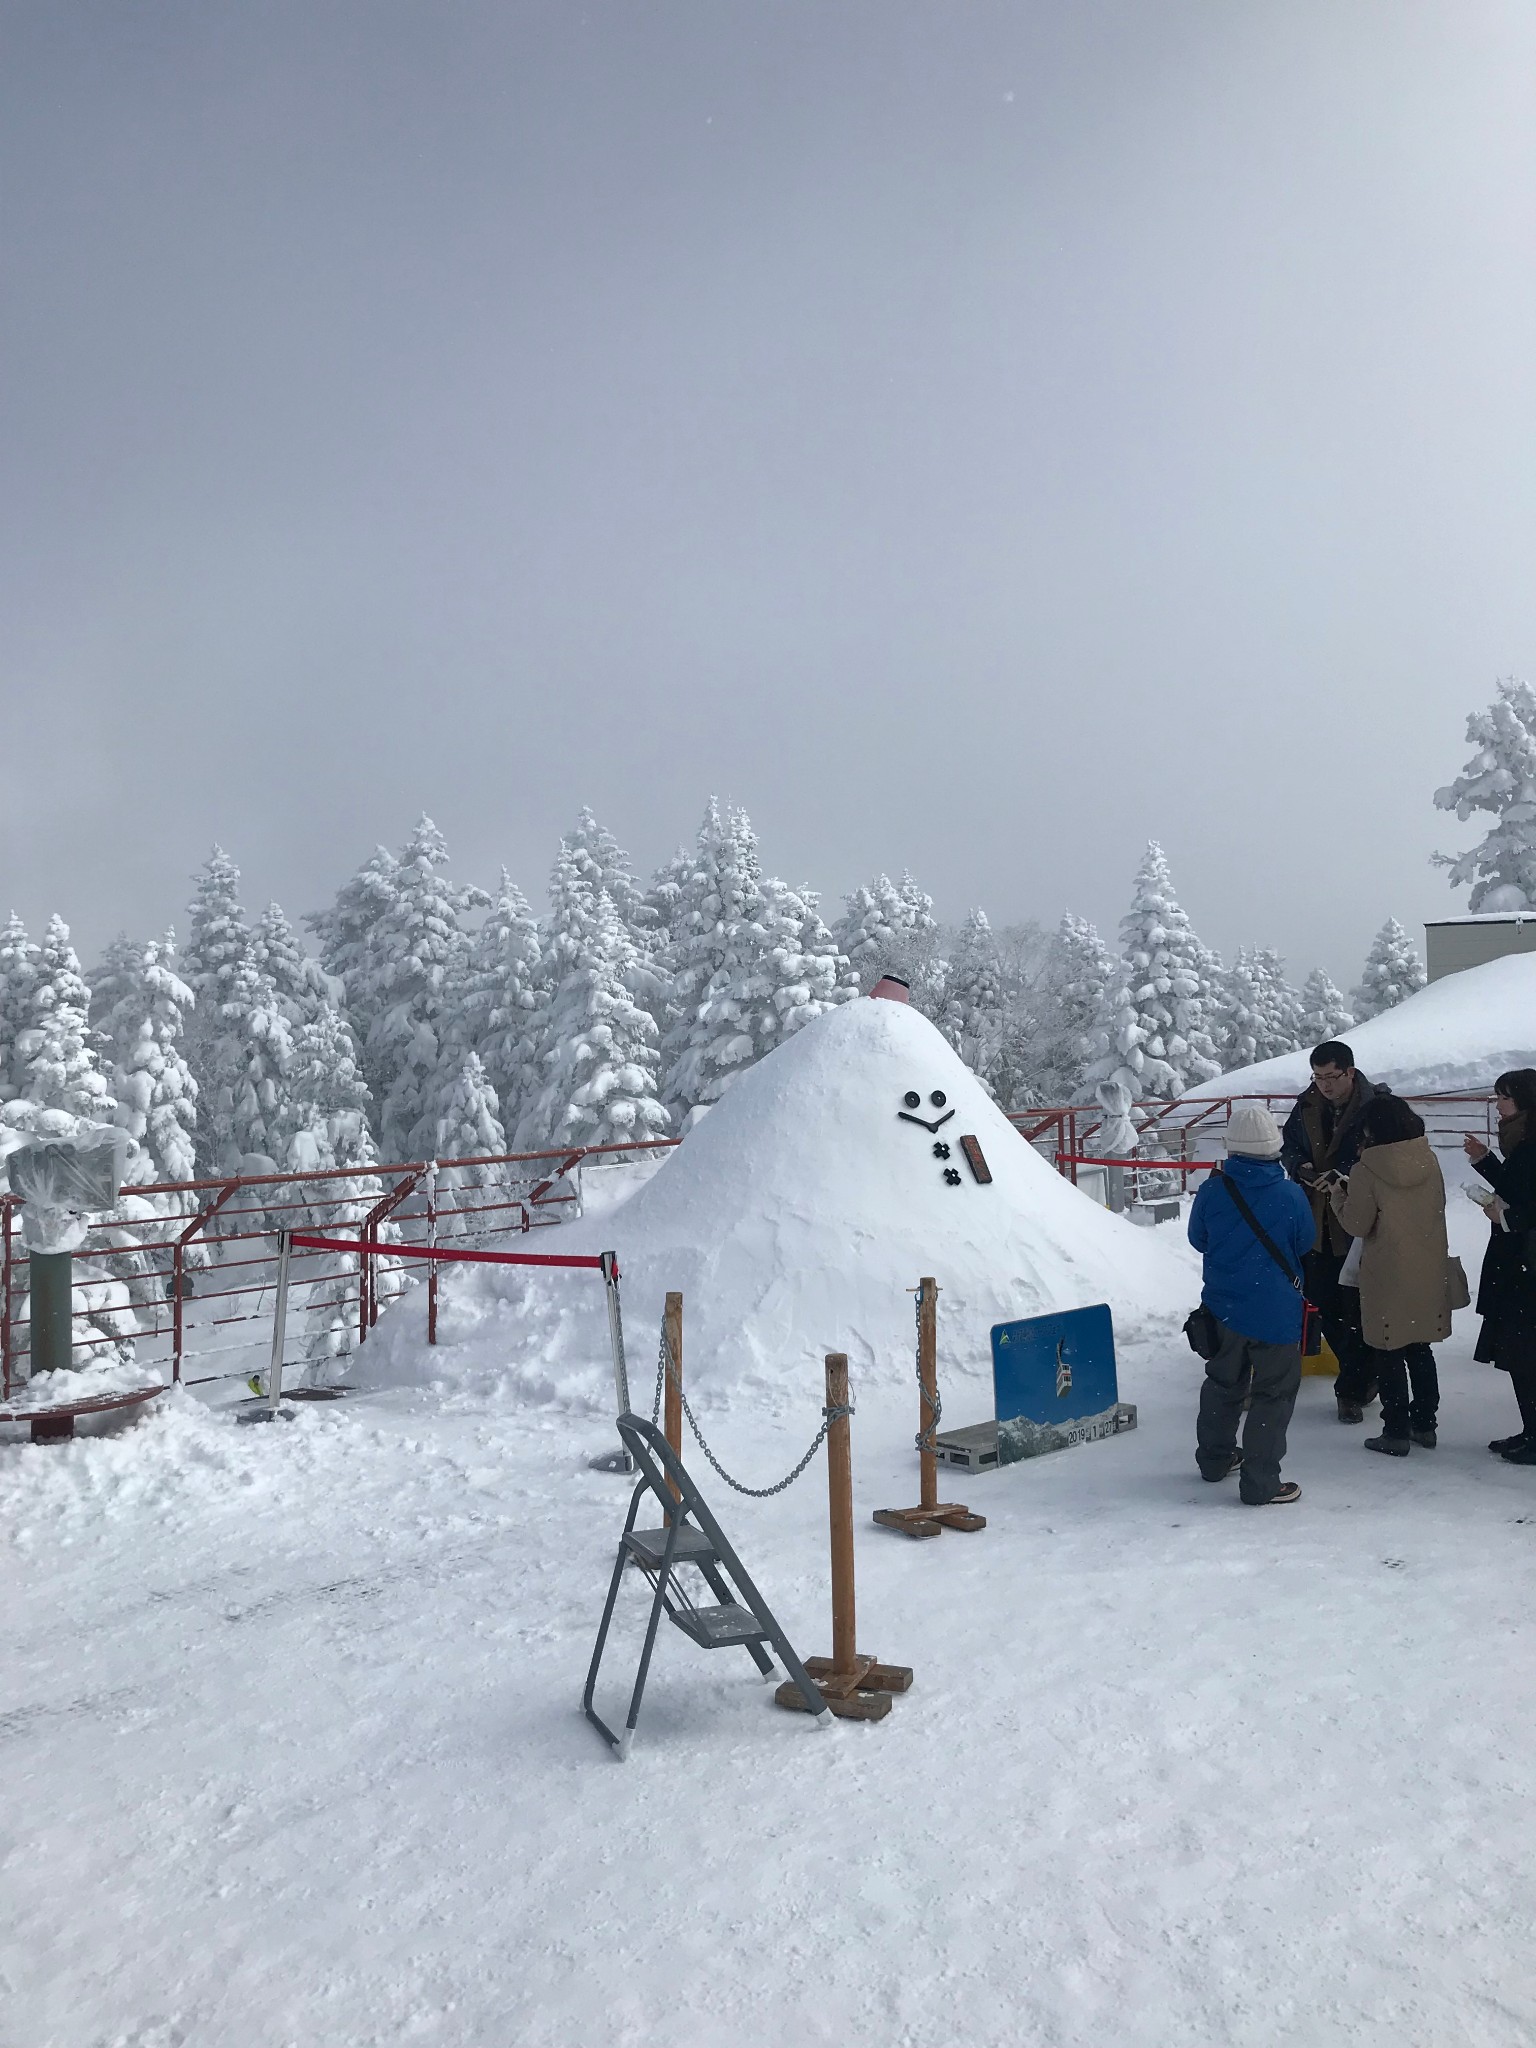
x,y
1054,1382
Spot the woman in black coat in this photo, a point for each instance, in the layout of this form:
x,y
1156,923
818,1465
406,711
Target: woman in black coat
x,y
1506,1294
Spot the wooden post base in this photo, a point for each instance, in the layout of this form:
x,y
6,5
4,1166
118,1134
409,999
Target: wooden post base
x,y
929,1521
862,1694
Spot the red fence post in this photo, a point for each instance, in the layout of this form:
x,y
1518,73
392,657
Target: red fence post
x,y
432,1246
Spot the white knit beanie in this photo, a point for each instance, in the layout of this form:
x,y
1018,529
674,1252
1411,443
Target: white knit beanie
x,y
1252,1132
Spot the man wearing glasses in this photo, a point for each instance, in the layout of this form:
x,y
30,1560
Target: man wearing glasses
x,y
1321,1144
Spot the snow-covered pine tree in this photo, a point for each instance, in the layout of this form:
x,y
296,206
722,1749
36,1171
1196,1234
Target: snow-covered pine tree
x,y
604,865
926,968
1500,777
1393,971
828,969
325,1124
217,954
218,938
155,1090
502,1001
778,969
1062,1011
711,903
466,1126
115,975
302,987
246,1097
1325,1013
417,950
346,933
18,982
598,1069
157,1106
1284,1011
890,929
1239,1024
55,1051
972,1018
1152,1032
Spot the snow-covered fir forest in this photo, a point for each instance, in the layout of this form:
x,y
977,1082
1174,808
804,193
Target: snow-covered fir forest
x,y
425,1017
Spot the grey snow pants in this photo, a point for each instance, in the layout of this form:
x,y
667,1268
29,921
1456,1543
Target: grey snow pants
x,y
1267,1377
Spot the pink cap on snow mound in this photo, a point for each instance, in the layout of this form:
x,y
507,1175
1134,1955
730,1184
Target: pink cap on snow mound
x,y
892,988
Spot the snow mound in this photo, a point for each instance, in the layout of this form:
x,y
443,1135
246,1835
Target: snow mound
x,y
1454,1037
794,1218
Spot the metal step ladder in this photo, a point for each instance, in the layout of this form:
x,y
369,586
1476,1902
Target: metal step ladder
x,y
689,1539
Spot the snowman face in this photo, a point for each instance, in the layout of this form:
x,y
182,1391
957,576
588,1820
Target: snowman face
x,y
914,1102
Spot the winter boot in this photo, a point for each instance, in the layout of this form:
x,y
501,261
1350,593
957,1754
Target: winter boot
x,y
1505,1444
1424,1438
1216,1473
1389,1446
1283,1495
1526,1455
1350,1411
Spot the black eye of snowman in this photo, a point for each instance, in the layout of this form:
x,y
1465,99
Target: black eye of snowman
x,y
914,1101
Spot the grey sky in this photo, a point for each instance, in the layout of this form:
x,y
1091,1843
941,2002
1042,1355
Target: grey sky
x,y
971,436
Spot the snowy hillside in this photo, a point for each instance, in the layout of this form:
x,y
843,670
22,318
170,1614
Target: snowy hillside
x,y
794,1219
1457,1035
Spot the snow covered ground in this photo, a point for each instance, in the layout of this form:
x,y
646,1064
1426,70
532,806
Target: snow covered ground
x,y
294,1753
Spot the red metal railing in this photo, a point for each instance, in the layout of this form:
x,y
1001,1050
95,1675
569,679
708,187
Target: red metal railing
x,y
188,1282
183,1272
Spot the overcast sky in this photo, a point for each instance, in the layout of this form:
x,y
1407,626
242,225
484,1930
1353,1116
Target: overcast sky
x,y
973,436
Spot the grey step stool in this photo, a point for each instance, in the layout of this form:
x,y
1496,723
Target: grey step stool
x,y
689,1538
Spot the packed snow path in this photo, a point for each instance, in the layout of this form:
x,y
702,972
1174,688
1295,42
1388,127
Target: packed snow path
x,y
294,1752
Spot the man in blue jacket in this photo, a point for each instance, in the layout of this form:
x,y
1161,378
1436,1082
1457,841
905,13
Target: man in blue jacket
x,y
1258,1308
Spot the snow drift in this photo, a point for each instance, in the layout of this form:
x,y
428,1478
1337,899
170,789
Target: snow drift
x,y
794,1218
1458,1035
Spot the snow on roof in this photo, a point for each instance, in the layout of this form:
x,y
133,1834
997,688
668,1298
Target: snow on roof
x,y
1454,1037
795,1217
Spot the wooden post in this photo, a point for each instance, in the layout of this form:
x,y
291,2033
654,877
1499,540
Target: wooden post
x,y
928,1380
672,1416
931,1514
855,1688
840,1511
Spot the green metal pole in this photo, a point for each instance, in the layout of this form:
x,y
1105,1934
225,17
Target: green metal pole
x,y
52,1311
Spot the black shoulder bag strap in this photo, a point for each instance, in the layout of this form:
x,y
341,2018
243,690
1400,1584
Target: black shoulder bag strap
x,y
1260,1232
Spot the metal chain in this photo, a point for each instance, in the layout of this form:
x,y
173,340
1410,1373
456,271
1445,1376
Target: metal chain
x,y
926,1438
665,1368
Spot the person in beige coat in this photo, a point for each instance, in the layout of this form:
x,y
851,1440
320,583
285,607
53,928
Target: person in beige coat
x,y
1394,1202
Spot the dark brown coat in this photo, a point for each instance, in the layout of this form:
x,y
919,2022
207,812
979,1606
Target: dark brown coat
x,y
1320,1136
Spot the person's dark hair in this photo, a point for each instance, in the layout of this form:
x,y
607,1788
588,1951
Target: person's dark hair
x,y
1520,1086
1387,1120
1333,1052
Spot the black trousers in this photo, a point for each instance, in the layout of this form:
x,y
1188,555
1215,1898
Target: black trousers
x,y
1339,1310
1523,1380
1410,1389
1267,1377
